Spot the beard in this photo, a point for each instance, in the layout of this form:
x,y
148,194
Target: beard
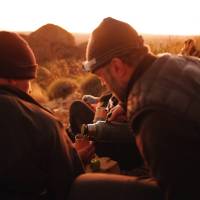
x,y
116,88
114,85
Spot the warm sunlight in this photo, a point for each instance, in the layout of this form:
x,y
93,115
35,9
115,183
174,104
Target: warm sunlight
x,y
180,17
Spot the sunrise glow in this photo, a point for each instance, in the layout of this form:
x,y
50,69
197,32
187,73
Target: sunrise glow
x,y
179,17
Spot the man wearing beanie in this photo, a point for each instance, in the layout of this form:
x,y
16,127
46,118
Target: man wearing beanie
x,y
38,160
162,97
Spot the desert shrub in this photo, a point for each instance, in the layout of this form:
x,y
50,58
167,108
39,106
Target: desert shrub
x,y
61,88
64,68
91,85
44,77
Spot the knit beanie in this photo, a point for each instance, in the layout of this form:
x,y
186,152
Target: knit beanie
x,y
111,38
17,60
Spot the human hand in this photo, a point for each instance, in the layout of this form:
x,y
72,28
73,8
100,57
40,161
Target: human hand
x,y
100,113
90,99
84,147
117,113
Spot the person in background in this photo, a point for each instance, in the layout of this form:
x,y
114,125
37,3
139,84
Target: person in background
x,y
89,109
189,48
38,160
162,95
110,141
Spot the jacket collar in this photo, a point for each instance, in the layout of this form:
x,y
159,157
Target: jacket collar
x,y
139,71
13,91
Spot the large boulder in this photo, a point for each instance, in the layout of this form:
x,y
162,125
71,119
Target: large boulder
x,y
51,42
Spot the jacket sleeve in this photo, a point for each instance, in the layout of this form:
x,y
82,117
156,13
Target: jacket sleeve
x,y
63,164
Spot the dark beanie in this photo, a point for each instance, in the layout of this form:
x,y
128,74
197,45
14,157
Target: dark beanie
x,y
17,60
111,38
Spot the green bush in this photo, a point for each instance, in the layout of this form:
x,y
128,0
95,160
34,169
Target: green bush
x,y
91,85
61,88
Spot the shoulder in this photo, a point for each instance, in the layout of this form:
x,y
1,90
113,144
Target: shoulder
x,y
173,62
168,57
8,103
13,107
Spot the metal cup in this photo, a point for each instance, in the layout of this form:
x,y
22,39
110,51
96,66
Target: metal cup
x,y
81,141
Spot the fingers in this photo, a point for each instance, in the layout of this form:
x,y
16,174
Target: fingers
x,y
87,152
100,114
117,113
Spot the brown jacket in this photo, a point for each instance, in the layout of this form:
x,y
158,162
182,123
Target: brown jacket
x,y
37,158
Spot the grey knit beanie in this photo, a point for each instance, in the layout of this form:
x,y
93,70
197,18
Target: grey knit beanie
x,y
17,60
111,38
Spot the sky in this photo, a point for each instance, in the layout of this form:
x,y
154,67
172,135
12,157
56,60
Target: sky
x,y
168,17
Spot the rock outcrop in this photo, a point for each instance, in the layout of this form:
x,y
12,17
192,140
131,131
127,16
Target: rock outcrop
x,y
51,42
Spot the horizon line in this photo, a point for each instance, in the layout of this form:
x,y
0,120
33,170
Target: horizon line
x,y
151,34
88,33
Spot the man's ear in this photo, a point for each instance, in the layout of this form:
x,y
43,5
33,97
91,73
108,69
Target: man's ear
x,y
118,68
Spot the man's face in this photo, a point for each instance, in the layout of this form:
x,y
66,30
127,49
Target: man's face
x,y
112,82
